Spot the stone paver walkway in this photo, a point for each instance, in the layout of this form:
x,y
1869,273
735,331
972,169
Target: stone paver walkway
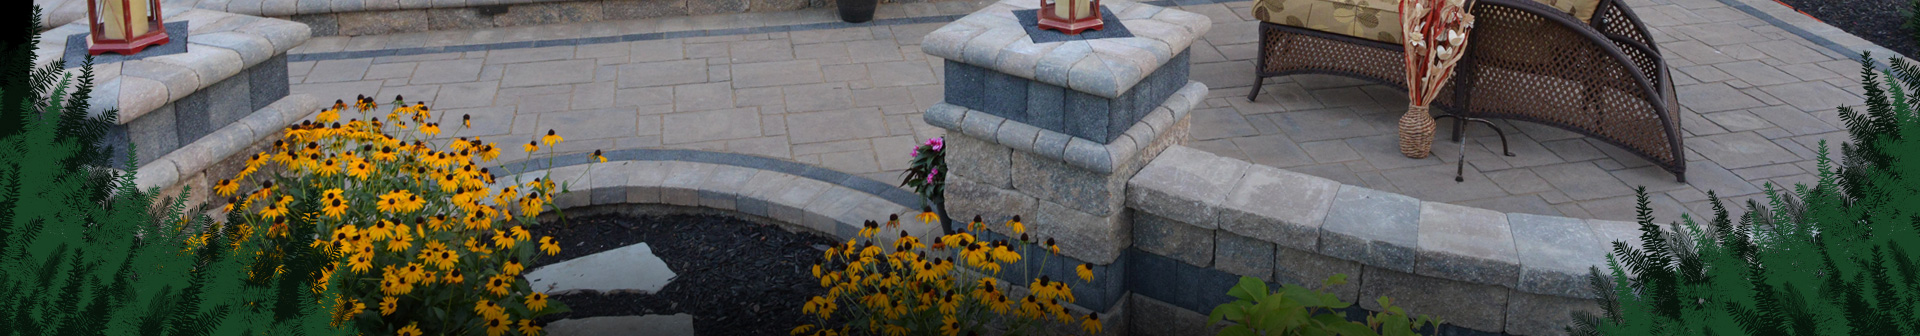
x,y
1755,99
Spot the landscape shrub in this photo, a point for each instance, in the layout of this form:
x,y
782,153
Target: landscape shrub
x,y
942,287
84,252
1835,258
1297,310
417,240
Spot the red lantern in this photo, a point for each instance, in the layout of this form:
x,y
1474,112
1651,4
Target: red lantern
x,y
124,26
1070,16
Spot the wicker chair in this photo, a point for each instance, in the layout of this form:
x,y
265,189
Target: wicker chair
x,y
1525,61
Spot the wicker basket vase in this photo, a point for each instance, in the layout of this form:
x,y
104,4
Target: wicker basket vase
x,y
1416,132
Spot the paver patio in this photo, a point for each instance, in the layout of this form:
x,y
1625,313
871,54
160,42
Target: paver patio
x,y
1755,99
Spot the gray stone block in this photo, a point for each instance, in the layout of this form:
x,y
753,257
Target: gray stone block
x,y
1466,244
980,160
722,188
966,85
1535,314
1017,136
1088,155
1372,227
1054,180
1086,116
228,100
945,115
1311,269
1005,96
832,202
1149,317
681,187
967,198
152,135
788,205
1092,75
1046,106
1051,143
1185,185
267,82
192,119
1243,256
981,124
1278,206
1473,306
644,180
1185,242
1092,238
1555,254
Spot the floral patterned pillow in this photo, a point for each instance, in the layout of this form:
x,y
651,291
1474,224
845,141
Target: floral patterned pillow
x,y
1377,20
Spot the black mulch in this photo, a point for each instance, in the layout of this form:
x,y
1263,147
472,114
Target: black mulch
x,y
1880,21
735,277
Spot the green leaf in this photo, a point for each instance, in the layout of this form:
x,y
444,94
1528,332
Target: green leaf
x,y
1250,289
1335,280
1237,330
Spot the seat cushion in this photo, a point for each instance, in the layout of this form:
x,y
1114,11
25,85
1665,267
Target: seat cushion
x,y
1377,20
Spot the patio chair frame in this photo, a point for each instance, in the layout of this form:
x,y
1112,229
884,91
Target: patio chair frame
x,y
1525,61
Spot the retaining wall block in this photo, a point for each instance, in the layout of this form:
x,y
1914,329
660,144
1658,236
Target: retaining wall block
x,y
1185,185
981,160
1279,206
1555,253
1310,269
1372,227
1241,255
1169,237
1466,244
1474,306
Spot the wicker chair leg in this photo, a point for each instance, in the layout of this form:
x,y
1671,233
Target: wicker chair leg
x,y
1255,92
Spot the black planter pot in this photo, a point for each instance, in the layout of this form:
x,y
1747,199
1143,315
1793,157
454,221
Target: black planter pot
x,y
857,11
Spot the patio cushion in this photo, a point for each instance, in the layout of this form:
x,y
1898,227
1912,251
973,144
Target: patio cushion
x,y
1377,20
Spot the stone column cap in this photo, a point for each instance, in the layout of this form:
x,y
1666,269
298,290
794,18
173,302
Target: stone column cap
x,y
219,45
1075,151
993,38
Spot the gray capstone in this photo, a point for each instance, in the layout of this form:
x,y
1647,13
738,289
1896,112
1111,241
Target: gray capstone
x,y
1373,227
1466,244
1278,206
1555,254
1185,184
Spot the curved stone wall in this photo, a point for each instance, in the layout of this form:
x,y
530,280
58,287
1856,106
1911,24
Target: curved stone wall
x,y
1478,269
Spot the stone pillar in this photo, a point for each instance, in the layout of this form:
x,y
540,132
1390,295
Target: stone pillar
x,y
1053,130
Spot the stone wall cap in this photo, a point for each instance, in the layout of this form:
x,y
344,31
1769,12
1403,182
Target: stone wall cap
x,y
214,53
1103,67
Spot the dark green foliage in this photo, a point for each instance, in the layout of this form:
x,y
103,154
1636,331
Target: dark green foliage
x,y
927,174
1835,258
84,252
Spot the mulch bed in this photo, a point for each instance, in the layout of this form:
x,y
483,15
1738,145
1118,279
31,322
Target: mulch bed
x,y
735,277
1879,21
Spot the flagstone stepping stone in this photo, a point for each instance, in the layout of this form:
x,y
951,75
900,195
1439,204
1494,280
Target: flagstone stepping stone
x,y
649,325
632,268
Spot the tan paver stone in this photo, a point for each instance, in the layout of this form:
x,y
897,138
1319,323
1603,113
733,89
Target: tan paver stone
x,y
548,73
646,97
505,56
681,128
413,94
391,70
817,97
338,91
593,95
760,51
1582,181
655,50
450,71
896,152
663,73
905,73
851,162
826,126
830,35
700,97
490,120
590,124
772,146
1740,150
776,73
329,71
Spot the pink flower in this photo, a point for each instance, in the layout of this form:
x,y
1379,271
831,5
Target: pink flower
x,y
916,152
937,143
936,171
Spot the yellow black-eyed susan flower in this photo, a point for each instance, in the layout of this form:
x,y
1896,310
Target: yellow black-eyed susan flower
x,y
551,138
893,221
536,301
1091,324
466,120
412,329
498,284
226,187
532,146
802,329
335,208
597,156
273,211
388,305
1018,228
527,327
549,246
1085,271
927,216
513,266
520,233
497,326
453,277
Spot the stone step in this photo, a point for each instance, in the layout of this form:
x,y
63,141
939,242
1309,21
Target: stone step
x,y
633,268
